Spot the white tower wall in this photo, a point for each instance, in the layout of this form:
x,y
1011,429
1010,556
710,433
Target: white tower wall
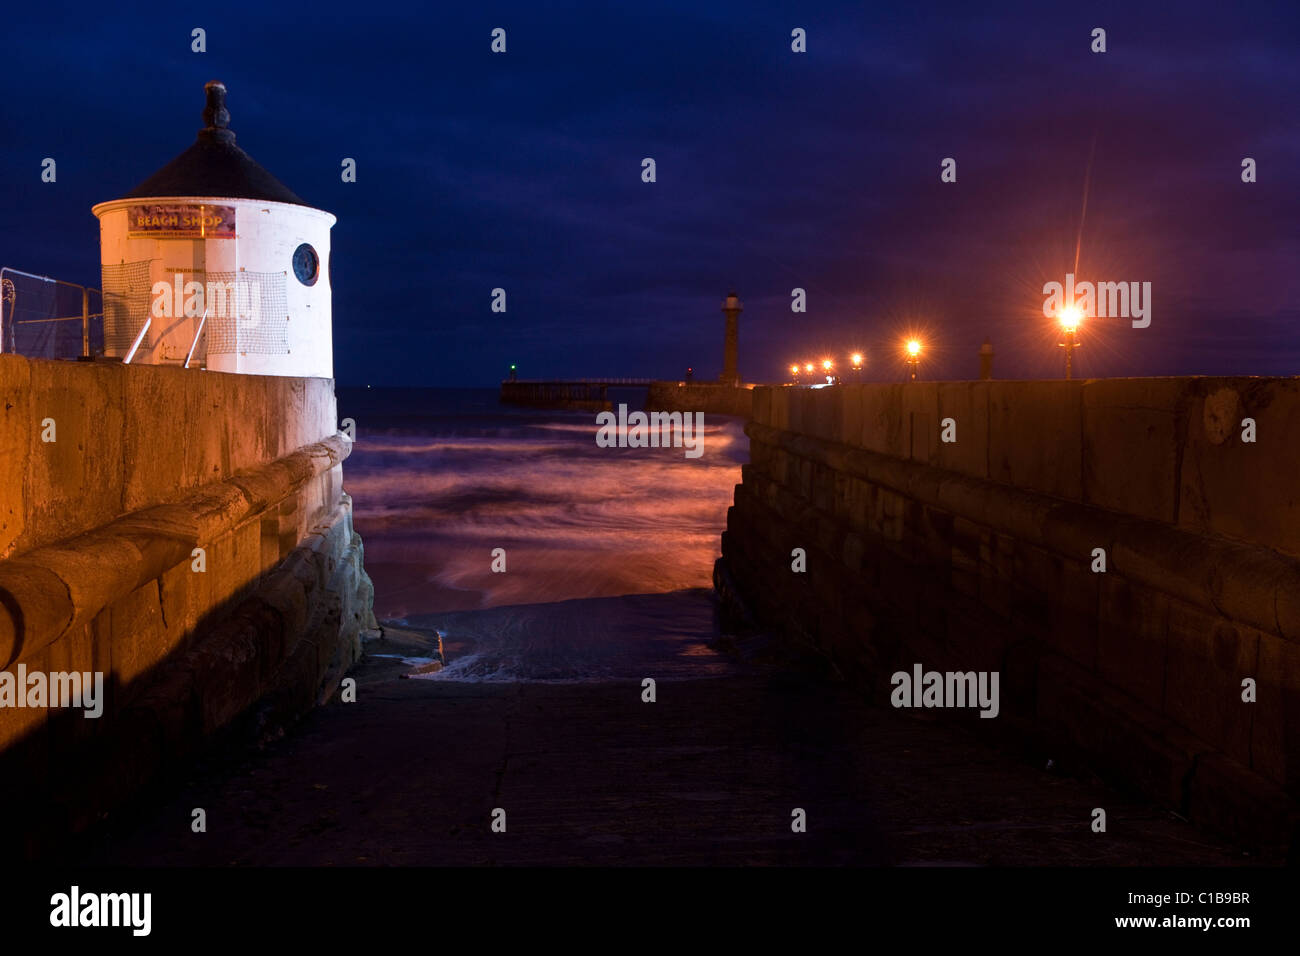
x,y
243,335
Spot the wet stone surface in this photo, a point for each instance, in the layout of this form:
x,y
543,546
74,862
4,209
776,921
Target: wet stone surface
x,y
589,774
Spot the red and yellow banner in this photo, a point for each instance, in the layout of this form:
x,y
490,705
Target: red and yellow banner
x,y
180,221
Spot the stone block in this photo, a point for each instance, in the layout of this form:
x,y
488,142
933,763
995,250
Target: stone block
x,y
181,601
34,606
977,642
1035,440
1206,660
225,665
16,437
75,653
1131,647
137,634
820,413
1130,445
169,704
75,482
996,561
763,405
1230,799
17,723
95,570
1123,738
851,417
799,400
842,502
290,395
284,594
1275,731
883,423
967,404
964,556
920,402
1241,489
154,436
860,495
1074,601
779,415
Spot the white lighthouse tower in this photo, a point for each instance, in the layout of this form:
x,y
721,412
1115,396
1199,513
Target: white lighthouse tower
x,y
213,263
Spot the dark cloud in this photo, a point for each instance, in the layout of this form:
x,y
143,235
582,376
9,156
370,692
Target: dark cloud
x,y
775,170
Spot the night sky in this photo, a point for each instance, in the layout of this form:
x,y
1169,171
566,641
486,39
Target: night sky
x,y
775,170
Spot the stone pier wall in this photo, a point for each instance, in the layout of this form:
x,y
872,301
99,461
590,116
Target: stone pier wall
x,y
979,554
186,535
574,396
707,397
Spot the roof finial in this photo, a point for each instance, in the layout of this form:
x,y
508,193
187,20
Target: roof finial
x,y
215,115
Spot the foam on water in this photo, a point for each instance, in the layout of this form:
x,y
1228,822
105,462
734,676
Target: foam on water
x,y
439,479
445,478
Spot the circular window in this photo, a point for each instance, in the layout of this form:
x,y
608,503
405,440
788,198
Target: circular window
x,y
306,264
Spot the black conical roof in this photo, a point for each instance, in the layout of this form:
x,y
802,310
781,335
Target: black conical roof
x,y
214,165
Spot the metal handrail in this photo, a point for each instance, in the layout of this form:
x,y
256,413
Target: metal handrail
x,y
195,344
62,318
138,339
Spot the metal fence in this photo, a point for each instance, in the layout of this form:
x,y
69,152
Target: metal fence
x,y
42,317
242,313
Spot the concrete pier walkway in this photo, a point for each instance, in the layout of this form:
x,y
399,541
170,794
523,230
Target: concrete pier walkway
x,y
588,773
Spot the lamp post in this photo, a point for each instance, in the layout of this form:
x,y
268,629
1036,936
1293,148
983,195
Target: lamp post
x,y
856,361
828,368
794,374
986,360
913,349
1070,318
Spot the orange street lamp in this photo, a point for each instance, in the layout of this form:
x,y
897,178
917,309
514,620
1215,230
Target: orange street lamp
x,y
856,361
1070,317
913,349
794,374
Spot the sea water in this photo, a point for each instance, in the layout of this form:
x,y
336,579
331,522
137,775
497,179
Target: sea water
x,y
608,552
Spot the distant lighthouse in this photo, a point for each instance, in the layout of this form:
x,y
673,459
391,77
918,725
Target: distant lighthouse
x,y
212,262
731,308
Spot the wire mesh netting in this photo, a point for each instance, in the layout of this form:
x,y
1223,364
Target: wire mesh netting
x,y
253,319
126,304
243,312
